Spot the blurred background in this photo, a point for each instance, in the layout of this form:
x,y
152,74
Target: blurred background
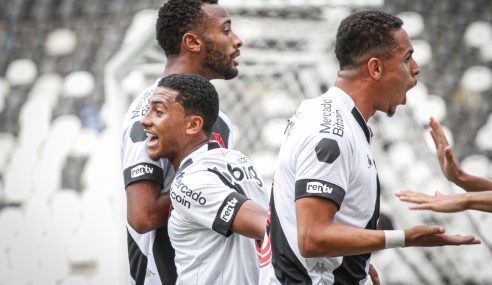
x,y
70,68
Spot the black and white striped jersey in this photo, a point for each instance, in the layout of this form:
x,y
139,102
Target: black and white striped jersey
x,y
210,186
151,256
325,153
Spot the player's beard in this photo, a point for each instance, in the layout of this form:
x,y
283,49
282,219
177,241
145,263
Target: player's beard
x,y
218,62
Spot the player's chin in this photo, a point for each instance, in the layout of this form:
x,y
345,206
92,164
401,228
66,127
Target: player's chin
x,y
391,111
231,73
154,154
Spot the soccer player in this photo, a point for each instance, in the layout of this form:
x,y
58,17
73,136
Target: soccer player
x,y
197,38
479,196
218,197
324,204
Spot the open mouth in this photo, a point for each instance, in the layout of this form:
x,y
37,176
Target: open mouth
x,y
152,139
234,56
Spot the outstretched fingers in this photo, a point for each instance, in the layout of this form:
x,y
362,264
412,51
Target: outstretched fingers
x,y
460,240
438,136
424,235
413,197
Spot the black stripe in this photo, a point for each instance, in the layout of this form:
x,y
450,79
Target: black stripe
x,y
143,171
138,261
224,180
213,145
319,188
288,268
222,128
187,163
164,256
227,212
353,268
360,120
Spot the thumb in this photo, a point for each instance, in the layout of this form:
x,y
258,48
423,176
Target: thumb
x,y
432,230
448,152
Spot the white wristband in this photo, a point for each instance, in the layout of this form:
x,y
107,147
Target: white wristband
x,y
394,239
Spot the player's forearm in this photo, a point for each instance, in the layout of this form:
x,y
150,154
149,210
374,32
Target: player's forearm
x,y
151,216
250,221
472,183
481,201
339,240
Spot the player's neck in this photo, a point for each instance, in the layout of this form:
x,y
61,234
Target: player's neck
x,y
360,92
187,149
185,65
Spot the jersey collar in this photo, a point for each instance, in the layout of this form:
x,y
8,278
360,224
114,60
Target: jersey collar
x,y
187,161
350,105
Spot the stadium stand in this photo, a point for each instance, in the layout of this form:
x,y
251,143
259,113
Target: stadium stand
x,y
68,70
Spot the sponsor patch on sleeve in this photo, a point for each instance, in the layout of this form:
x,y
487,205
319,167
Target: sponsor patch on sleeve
x,y
319,188
227,212
143,171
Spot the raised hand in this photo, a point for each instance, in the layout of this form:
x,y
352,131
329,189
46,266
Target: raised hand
x,y
447,160
450,166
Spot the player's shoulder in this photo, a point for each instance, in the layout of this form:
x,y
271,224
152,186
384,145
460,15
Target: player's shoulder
x,y
139,106
321,124
219,156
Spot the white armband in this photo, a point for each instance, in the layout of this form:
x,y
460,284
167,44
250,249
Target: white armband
x,y
394,239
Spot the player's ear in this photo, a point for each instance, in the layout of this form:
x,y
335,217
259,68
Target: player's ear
x,y
375,68
194,124
191,42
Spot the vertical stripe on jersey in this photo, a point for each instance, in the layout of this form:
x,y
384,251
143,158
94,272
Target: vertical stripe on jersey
x,y
360,120
138,261
353,268
288,268
164,256
221,127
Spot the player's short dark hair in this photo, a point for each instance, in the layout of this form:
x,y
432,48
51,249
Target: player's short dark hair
x,y
363,34
175,18
197,96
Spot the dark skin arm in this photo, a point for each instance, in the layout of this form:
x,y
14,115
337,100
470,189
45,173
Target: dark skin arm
x,y
319,236
147,209
250,221
481,201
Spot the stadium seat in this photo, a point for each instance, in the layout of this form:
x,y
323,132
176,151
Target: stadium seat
x,y
61,42
21,72
477,79
413,23
434,106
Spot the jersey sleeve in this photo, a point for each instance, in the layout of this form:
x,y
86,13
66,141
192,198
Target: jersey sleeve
x,y
323,167
136,164
204,199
